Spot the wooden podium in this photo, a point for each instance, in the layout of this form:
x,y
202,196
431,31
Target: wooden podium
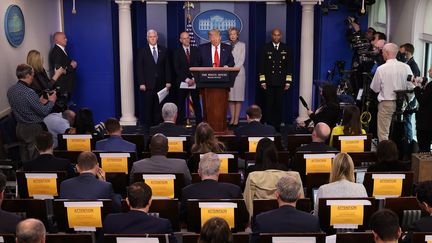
x,y
214,83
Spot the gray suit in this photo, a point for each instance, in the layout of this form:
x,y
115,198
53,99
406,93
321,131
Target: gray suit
x,y
162,164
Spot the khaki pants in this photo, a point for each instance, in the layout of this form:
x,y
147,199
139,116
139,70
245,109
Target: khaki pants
x,y
386,108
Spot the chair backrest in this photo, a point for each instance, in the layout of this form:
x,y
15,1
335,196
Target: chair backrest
x,y
116,238
138,140
194,216
158,188
241,237
230,141
421,237
343,211
28,208
164,208
231,157
117,171
264,205
299,162
247,141
363,159
295,237
40,184
233,178
69,213
72,156
283,156
355,237
386,184
9,238
297,140
69,238
76,142
366,142
407,209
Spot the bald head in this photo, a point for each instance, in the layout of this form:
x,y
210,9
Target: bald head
x,y
185,39
30,231
390,51
60,38
159,144
321,132
276,35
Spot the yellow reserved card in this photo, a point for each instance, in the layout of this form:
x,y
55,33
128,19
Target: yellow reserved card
x,y
84,217
161,185
352,143
221,210
224,165
175,144
346,214
387,185
78,142
318,163
253,143
41,184
115,162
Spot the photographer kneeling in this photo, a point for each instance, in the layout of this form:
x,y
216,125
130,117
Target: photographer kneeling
x,y
423,94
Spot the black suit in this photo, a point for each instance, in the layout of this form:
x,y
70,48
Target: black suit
x,y
181,67
169,130
8,222
136,222
285,219
329,114
47,162
424,117
225,56
87,186
255,128
316,147
58,58
154,76
208,189
422,225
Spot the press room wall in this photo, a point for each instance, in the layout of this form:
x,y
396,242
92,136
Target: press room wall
x,y
42,18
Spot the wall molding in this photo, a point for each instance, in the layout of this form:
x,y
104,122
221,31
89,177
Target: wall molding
x,y
5,112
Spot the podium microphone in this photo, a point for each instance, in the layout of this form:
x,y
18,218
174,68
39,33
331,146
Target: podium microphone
x,y
304,103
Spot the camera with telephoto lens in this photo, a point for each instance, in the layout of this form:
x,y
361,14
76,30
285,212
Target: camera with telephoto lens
x,y
47,92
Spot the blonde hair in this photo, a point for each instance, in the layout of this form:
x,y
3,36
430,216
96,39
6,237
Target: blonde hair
x,y
342,168
35,60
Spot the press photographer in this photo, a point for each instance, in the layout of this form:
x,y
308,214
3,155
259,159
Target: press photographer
x,y
423,94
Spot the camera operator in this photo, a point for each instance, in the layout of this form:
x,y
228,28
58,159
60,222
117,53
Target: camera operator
x,y
389,77
29,110
423,94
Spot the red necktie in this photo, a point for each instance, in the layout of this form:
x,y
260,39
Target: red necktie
x,y
187,55
216,58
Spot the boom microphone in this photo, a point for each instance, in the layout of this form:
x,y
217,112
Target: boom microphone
x,y
304,103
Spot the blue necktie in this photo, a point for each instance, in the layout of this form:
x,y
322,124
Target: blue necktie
x,y
155,56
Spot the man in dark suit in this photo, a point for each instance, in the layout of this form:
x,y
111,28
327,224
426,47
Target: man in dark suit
x,y
184,58
275,77
169,127
115,142
215,53
46,161
154,74
59,58
254,126
159,163
137,220
86,185
8,221
424,197
286,218
320,135
209,187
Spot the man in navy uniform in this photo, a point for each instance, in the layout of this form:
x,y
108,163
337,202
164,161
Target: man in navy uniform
x,y
275,77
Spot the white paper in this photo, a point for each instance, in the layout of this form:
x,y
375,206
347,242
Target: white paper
x,y
40,175
361,137
221,156
162,94
388,176
360,93
136,240
217,205
318,156
77,136
428,237
158,176
330,239
83,204
256,139
184,85
348,202
287,239
114,155
176,138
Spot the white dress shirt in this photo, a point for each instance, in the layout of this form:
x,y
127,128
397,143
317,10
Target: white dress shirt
x,y
151,49
213,49
389,77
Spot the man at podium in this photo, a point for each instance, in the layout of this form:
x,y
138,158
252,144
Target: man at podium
x,y
215,53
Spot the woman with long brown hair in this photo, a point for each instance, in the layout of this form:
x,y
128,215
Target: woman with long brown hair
x,y
351,125
205,140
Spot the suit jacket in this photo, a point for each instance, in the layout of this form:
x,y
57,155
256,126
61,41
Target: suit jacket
x,y
255,128
136,222
162,164
8,222
154,75
422,225
208,189
414,67
58,58
316,147
115,144
47,162
329,114
169,129
424,113
225,56
181,65
87,186
286,219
